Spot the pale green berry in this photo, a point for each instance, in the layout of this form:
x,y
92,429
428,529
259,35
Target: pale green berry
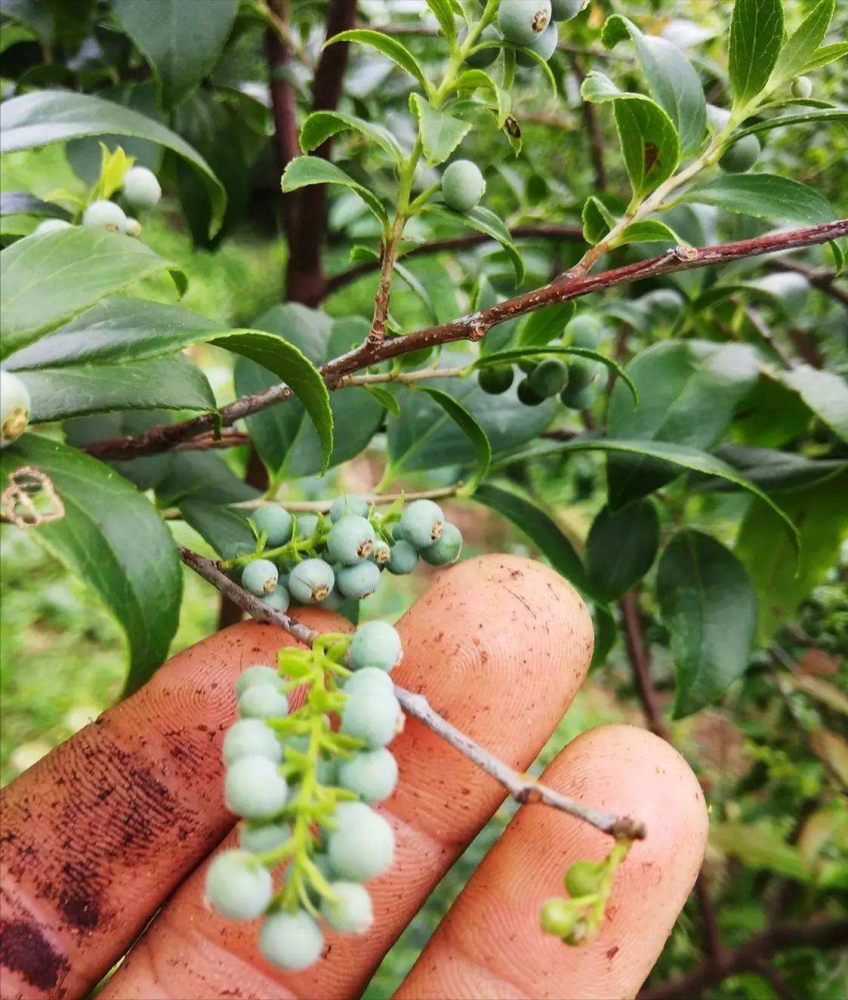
x,y
548,378
257,675
368,678
462,185
558,917
251,738
564,10
581,374
292,941
544,46
447,549
381,553
495,379
104,214
260,577
422,523
133,227
376,644
522,21
237,886
741,156
279,598
358,582
350,911
276,522
585,331
371,775
362,845
307,524
263,701
51,226
371,716
663,305
403,558
311,581
350,540
802,86
15,407
527,394
576,399
583,878
259,838
348,505
254,788
141,188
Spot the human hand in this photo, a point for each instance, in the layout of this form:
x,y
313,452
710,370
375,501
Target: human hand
x,y
118,821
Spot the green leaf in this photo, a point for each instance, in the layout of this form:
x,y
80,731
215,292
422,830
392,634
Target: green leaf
x,y
826,55
466,422
542,63
47,280
224,528
760,846
710,608
385,399
803,44
484,221
180,43
440,133
321,125
764,196
444,14
388,46
202,476
115,540
305,170
775,471
648,231
688,392
420,290
672,79
756,35
598,220
825,115
167,384
21,203
825,393
621,547
42,117
542,326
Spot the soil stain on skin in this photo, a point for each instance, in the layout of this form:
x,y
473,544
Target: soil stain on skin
x,y
25,950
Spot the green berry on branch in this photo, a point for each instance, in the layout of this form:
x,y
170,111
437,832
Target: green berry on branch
x,y
549,377
496,379
447,549
258,675
306,525
376,644
360,581
311,581
527,394
565,10
276,522
583,878
367,679
291,941
585,331
522,21
237,886
104,214
260,577
403,558
350,539
334,600
51,226
802,86
558,917
544,45
254,788
371,775
485,57
371,716
350,911
263,701
422,523
251,738
381,553
362,845
741,156
141,188
263,837
577,399
347,504
279,598
581,374
15,406
462,185
663,305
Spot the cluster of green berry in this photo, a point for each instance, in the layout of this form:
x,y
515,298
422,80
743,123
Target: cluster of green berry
x,y
140,190
305,792
311,559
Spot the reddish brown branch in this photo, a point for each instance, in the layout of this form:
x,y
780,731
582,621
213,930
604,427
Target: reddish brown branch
x,y
824,280
596,140
284,110
638,654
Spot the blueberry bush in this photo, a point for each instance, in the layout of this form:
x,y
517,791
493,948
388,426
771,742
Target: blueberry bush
x,y
573,265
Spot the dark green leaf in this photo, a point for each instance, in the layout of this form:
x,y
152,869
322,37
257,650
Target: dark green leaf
x,y
440,133
466,422
825,115
647,231
390,47
321,125
224,528
384,398
542,326
444,14
598,220
146,473
756,35
202,476
21,203
621,547
803,44
774,471
419,288
485,221
305,170
825,393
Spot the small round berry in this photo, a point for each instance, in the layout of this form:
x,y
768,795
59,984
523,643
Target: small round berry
x,y
528,365
348,505
558,916
15,406
422,522
279,598
549,378
447,549
543,45
237,886
397,532
291,941
581,374
251,738
254,788
276,522
585,331
564,10
371,775
381,553
576,399
802,86
263,837
51,226
257,675
741,156
307,525
350,911
663,305
583,878
362,845
403,559
133,227
141,188
462,185
368,678
350,539
334,600
521,21
527,394
496,379
485,57
263,701
104,214
360,581
260,577
311,581
371,716
376,644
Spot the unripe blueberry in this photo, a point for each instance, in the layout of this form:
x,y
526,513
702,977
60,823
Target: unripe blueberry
x,y
549,378
447,549
254,788
741,156
397,532
251,738
376,644
367,679
663,305
462,185
334,600
306,525
362,845
559,917
291,941
802,86
348,505
583,878
521,21
263,701
527,394
577,399
15,405
496,379
581,374
350,911
371,716
564,10
544,45
528,365
276,521
422,523
485,57
717,117
311,581
259,577
51,226
279,599
360,581
585,331
237,886
350,539
104,214
257,675
141,188
261,838
133,227
381,553
404,558
371,775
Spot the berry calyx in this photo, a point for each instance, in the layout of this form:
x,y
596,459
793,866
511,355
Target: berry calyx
x,y
376,644
237,887
462,185
260,577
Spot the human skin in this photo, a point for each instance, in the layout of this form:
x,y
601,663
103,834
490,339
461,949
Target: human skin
x,y
120,821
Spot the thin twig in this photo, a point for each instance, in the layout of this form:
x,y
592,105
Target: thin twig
x,y
821,278
596,139
521,787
